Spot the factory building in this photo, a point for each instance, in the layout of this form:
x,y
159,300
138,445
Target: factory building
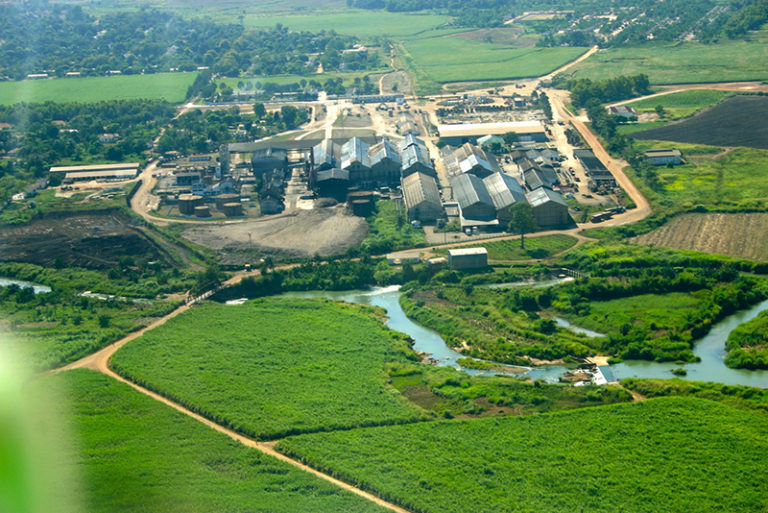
x,y
269,159
99,172
333,183
470,132
385,163
472,197
505,192
468,258
415,157
549,207
356,161
422,198
471,159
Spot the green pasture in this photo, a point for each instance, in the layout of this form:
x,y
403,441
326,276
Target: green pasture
x,y
674,454
365,24
274,367
717,180
133,453
456,59
680,63
738,396
683,103
169,86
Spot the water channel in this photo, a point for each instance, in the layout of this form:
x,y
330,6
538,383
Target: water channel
x,y
710,348
39,289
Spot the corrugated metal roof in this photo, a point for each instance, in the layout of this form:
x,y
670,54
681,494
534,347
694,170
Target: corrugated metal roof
x,y
467,251
384,150
323,153
332,174
479,129
542,195
96,167
410,140
415,154
503,190
469,190
355,150
419,188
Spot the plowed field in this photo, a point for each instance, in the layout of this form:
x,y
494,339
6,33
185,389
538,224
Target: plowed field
x,y
738,235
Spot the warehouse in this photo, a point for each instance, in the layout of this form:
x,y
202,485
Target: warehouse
x,y
98,172
422,198
458,134
385,163
549,207
664,157
468,258
415,159
324,155
471,159
268,159
505,192
356,161
333,183
473,198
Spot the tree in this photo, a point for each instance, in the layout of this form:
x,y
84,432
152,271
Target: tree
x,y
259,110
660,111
522,221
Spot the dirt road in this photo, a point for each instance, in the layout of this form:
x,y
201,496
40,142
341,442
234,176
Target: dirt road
x,y
743,87
615,166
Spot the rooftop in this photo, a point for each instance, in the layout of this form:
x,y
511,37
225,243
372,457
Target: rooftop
x,y
480,129
467,251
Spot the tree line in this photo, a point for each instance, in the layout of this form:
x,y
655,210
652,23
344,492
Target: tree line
x,y
59,38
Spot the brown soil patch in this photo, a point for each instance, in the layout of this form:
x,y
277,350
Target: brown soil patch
x,y
94,240
737,235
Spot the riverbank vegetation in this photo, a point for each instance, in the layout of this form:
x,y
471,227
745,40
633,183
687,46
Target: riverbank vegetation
x,y
54,328
389,230
136,454
551,461
747,345
274,367
649,304
453,394
739,396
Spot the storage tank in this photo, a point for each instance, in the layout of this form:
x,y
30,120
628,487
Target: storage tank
x,y
203,211
223,199
233,209
188,202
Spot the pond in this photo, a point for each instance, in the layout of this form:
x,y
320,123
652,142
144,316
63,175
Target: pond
x,y
711,348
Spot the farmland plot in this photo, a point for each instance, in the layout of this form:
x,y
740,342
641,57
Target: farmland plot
x,y
738,235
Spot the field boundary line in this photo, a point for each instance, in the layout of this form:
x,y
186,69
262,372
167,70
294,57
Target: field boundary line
x,y
266,448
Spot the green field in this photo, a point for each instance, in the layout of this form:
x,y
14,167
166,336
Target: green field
x,y
168,86
136,454
683,103
535,247
365,24
711,178
659,455
680,63
746,398
456,59
275,366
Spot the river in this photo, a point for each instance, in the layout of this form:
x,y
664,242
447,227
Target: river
x,y
39,289
710,348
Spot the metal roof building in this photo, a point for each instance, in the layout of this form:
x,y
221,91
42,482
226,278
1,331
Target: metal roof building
x,y
468,258
664,157
473,198
385,162
324,154
129,166
471,132
472,159
505,192
415,158
422,198
549,207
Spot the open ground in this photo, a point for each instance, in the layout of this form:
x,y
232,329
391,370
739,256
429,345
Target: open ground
x,y
169,86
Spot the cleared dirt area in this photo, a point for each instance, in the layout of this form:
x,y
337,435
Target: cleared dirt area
x,y
738,235
395,82
737,121
94,240
323,231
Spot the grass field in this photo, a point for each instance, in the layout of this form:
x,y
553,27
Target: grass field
x,y
737,235
659,455
535,247
737,121
683,103
365,24
746,398
275,366
169,86
680,63
455,59
136,454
